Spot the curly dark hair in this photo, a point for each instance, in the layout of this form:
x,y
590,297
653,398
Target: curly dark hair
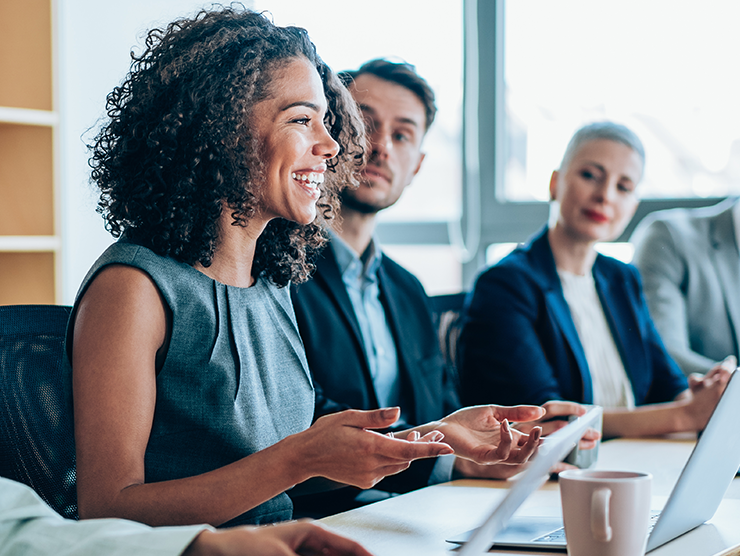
x,y
178,142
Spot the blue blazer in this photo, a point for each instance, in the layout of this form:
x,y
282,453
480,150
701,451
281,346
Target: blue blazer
x,y
519,343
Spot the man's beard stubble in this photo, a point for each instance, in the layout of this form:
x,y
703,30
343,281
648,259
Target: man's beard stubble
x,y
350,201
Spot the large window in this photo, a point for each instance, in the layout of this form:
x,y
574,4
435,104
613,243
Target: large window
x,y
535,71
665,69
428,34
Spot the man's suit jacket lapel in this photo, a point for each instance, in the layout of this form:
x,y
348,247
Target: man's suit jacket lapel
x,y
553,291
406,369
726,260
327,271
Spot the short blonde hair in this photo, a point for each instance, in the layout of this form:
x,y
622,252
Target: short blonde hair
x,y
602,130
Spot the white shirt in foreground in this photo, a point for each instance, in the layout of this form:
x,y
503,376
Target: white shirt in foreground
x,y
31,528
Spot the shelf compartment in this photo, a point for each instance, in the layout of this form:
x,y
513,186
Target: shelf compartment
x,y
26,181
26,278
25,54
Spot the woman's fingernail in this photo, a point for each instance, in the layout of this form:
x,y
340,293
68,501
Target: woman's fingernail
x,y
388,412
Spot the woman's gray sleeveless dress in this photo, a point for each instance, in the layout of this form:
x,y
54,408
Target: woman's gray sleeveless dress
x,y
235,379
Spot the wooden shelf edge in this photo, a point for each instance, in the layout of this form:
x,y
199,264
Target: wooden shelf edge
x,y
24,244
26,116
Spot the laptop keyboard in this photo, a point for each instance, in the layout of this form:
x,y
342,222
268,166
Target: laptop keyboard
x,y
558,535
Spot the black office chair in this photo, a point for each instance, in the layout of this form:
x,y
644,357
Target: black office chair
x,y
447,312
36,424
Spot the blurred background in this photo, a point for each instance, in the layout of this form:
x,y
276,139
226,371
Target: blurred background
x,y
513,81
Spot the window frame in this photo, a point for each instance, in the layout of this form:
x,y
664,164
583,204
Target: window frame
x,y
487,218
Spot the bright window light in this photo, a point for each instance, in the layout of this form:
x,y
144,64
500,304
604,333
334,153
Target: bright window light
x,y
668,70
425,33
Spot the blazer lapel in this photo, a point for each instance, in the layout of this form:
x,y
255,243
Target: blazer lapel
x,y
327,271
726,261
407,370
388,298
555,300
561,311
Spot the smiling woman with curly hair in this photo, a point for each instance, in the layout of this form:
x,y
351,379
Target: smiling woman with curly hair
x,y
222,158
180,142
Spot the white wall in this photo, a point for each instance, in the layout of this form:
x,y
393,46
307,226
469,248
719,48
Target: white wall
x,y
94,41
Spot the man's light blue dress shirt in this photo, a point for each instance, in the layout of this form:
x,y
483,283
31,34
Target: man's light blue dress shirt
x,y
360,277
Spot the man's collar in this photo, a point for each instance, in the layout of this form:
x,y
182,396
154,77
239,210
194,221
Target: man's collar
x,y
368,262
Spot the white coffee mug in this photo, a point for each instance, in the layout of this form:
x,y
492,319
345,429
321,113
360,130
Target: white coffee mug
x,y
605,512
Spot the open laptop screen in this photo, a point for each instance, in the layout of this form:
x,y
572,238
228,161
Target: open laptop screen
x,y
552,450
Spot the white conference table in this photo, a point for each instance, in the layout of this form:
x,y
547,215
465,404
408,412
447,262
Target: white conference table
x,y
419,522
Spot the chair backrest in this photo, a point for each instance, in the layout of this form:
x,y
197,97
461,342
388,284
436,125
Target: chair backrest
x,y
36,423
447,311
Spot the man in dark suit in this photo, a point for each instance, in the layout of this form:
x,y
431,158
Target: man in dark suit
x,y
374,312
365,321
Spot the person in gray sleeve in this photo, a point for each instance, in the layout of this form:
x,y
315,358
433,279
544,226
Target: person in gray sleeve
x,y
690,267
28,526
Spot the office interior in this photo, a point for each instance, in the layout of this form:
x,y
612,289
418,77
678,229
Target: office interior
x,y
513,81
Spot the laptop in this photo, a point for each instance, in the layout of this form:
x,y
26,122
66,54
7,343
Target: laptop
x,y
695,497
552,450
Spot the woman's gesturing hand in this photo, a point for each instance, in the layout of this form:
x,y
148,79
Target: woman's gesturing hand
x,y
344,447
483,434
556,417
702,396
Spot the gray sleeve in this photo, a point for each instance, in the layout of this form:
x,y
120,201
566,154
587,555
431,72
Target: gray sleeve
x,y
29,527
660,258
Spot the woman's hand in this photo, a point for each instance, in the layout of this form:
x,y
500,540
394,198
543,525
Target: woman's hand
x,y
285,539
555,418
500,471
342,447
496,471
721,371
702,396
482,433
